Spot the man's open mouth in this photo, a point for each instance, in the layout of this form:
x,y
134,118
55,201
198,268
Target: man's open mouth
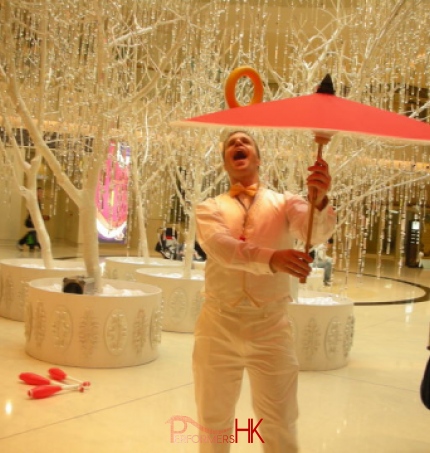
x,y
240,155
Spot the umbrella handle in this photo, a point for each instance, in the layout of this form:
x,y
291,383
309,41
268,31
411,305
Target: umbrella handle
x,y
321,140
309,233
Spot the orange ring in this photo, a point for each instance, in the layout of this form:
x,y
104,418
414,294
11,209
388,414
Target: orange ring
x,y
230,85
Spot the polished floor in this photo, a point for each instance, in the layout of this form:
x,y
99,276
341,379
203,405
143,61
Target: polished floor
x,y
370,406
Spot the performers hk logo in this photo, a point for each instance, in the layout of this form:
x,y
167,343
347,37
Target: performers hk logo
x,y
179,426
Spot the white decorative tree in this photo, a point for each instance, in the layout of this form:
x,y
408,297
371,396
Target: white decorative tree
x,y
79,70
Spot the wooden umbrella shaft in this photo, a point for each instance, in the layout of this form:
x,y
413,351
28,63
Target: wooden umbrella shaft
x,y
321,141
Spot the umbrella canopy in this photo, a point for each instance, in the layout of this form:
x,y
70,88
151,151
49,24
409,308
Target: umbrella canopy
x,y
323,113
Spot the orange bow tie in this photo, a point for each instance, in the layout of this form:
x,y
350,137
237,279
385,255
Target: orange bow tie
x,y
237,189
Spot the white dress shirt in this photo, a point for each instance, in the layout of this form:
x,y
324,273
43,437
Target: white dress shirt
x,y
239,243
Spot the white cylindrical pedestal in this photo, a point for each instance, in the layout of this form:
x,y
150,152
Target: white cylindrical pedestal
x,y
124,267
15,273
119,328
323,327
182,297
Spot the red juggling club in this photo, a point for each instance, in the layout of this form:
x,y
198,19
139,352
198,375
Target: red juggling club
x,y
34,379
44,391
59,375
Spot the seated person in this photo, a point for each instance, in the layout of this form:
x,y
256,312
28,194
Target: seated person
x,y
168,243
322,260
198,255
30,238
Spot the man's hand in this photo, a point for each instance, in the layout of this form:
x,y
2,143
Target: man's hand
x,y
292,262
319,182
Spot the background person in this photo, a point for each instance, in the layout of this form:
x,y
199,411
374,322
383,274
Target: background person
x,y
323,261
248,235
30,237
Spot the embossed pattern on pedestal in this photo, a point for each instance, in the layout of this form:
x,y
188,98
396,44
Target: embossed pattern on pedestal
x,y
176,306
116,331
28,320
8,289
348,335
311,338
140,328
39,323
156,326
62,327
20,295
89,332
333,337
112,329
323,329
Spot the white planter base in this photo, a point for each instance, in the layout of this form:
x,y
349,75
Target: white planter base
x,y
124,267
93,331
182,297
323,327
16,273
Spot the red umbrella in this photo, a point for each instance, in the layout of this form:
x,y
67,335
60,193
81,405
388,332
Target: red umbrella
x,y
322,112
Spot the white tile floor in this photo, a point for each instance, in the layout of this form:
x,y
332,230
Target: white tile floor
x,y
370,406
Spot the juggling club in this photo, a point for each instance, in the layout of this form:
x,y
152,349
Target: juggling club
x,y
34,379
44,391
59,375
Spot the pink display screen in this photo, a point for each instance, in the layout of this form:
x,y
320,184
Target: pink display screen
x,y
112,195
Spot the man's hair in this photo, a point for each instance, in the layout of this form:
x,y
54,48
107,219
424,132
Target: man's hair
x,y
224,143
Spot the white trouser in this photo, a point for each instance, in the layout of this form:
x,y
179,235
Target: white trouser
x,y
228,340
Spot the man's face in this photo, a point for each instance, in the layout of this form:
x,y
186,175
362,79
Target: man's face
x,y
240,157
